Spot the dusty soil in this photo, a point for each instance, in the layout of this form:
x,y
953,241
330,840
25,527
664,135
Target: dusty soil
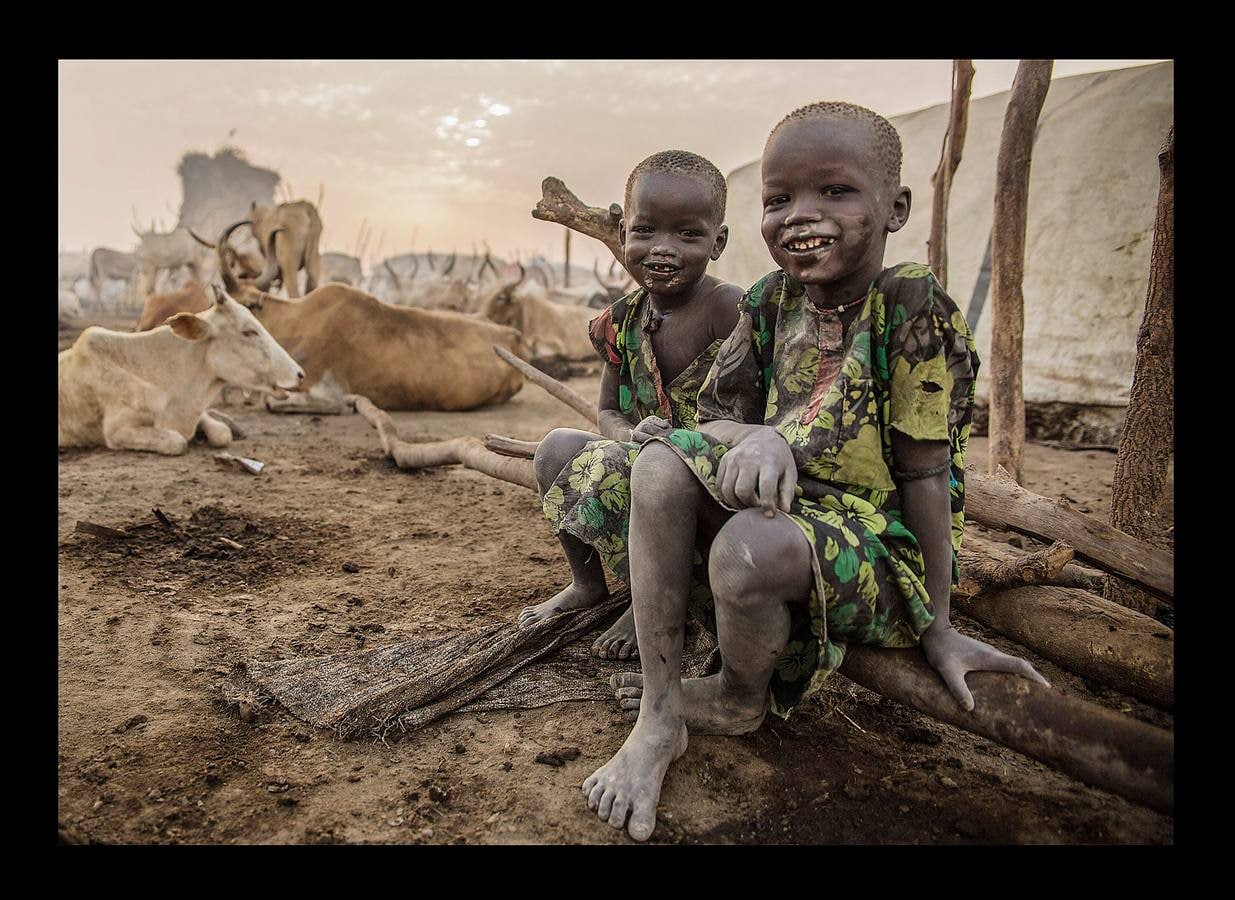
x,y
150,627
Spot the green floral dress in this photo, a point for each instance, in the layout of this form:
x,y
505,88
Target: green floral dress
x,y
908,362
591,497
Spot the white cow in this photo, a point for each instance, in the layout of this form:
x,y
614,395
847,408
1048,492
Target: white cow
x,y
70,306
150,390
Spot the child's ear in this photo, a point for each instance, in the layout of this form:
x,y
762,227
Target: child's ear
x,y
722,241
900,209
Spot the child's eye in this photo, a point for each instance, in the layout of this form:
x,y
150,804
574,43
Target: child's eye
x,y
835,190
691,233
775,200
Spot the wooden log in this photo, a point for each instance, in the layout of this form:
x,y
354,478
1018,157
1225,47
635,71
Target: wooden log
x,y
1121,648
1071,575
571,398
1092,744
505,446
466,451
982,573
1020,121
1148,434
999,502
559,204
949,160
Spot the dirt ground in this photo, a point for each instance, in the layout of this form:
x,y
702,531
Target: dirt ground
x,y
150,628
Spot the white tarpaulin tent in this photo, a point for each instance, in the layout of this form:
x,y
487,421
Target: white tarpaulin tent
x,y
1092,198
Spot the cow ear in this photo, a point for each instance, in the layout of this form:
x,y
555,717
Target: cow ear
x,y
188,326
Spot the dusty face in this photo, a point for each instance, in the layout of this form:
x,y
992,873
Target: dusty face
x,y
670,232
828,206
242,351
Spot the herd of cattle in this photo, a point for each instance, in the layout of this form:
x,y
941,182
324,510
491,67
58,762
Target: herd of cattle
x,y
405,339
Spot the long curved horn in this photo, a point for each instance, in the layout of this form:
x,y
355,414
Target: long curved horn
x,y
140,236
394,275
201,240
415,266
450,265
489,263
538,269
230,283
522,273
265,279
430,256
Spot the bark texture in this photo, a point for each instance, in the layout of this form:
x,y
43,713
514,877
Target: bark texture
x,y
949,159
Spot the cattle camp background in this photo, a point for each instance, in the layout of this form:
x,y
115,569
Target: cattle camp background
x,y
347,502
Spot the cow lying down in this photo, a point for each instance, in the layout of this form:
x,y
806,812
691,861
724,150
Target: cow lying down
x,y
150,390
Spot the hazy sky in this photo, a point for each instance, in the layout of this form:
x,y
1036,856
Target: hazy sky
x,y
445,152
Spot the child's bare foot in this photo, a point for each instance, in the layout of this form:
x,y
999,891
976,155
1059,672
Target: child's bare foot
x,y
710,707
630,782
574,596
619,641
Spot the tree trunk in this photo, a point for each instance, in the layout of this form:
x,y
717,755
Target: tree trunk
x,y
1095,745
949,159
999,502
1148,434
559,204
1007,421
1118,647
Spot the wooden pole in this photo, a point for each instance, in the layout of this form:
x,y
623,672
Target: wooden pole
x,y
566,281
1007,416
1095,745
949,159
1147,440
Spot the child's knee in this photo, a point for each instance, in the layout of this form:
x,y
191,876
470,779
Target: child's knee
x,y
555,450
660,475
754,559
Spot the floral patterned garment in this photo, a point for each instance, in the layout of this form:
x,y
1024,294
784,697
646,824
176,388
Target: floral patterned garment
x,y
908,362
591,497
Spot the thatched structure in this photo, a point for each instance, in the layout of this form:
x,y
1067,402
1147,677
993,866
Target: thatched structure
x,y
218,189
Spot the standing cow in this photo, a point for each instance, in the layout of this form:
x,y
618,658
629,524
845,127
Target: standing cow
x,y
297,232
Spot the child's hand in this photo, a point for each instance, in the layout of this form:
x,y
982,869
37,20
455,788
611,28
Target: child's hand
x,y
758,471
652,426
952,655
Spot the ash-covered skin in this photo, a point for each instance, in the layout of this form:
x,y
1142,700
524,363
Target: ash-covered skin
x,y
829,204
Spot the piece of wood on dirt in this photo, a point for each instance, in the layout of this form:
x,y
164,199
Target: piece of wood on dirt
x,y
1148,437
1125,650
559,204
507,446
84,527
465,451
1102,748
1020,122
555,388
999,502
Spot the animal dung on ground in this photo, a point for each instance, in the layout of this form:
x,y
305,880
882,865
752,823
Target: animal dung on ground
x,y
557,757
252,466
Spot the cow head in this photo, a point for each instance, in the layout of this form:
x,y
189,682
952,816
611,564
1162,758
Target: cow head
x,y
239,350
503,303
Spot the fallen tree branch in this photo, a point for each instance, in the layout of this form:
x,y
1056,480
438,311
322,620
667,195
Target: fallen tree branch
x,y
999,502
559,204
466,451
982,572
571,398
1105,749
1086,634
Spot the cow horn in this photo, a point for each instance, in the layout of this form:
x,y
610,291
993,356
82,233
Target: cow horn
x,y
522,273
450,265
393,274
415,266
219,297
265,279
430,256
201,240
225,272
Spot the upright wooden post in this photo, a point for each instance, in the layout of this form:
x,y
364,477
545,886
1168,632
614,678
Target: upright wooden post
x,y
949,159
1007,423
1148,434
566,282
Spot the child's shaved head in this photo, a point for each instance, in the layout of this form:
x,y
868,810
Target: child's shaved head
x,y
683,162
887,141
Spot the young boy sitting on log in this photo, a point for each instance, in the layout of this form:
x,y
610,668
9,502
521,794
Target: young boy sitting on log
x,y
826,473
658,343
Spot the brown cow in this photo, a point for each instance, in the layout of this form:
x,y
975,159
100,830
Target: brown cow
x,y
159,307
401,358
550,329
